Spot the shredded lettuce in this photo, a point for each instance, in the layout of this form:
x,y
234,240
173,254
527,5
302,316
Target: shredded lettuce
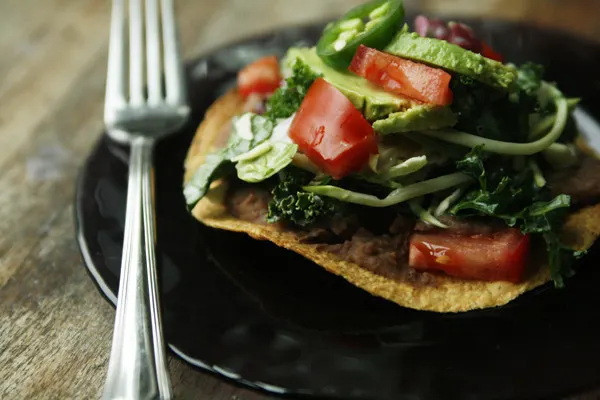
x,y
560,155
538,176
266,162
215,166
249,131
424,215
407,167
396,196
447,202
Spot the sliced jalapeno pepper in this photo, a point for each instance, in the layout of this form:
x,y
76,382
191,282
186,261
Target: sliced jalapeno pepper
x,y
373,24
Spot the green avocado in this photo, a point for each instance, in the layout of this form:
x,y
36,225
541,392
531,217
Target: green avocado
x,y
417,118
440,53
373,102
390,113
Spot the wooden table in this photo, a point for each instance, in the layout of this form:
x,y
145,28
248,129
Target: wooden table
x,y
55,329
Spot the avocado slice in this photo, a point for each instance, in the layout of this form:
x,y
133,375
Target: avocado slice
x,y
417,118
391,113
373,102
448,56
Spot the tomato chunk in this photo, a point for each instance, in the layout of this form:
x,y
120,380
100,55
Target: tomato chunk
x,y
404,77
495,257
488,52
331,132
261,76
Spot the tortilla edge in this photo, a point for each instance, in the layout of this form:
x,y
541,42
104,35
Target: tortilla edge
x,y
449,295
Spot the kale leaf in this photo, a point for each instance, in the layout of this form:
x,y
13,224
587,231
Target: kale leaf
x,y
287,99
291,203
529,78
511,195
472,164
560,259
497,114
543,216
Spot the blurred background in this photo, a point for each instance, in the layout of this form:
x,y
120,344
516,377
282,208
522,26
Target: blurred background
x,y
222,21
46,45
219,21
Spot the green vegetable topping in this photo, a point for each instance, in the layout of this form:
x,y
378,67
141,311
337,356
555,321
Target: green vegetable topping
x,y
215,166
255,153
396,196
497,114
407,167
424,215
291,203
538,177
519,200
261,128
372,24
560,155
447,202
266,162
485,155
249,131
510,148
287,99
529,78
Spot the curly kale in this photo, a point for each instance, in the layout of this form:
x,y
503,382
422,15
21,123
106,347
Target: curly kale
x,y
287,99
291,203
514,197
529,78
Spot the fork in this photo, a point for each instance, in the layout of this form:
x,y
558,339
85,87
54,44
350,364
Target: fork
x,y
141,108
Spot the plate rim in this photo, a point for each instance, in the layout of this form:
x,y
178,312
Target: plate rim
x,y
111,297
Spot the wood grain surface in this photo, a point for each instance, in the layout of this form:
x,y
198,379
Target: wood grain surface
x,y
55,328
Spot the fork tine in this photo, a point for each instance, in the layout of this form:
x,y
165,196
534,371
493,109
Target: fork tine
x,y
115,79
173,66
136,53
153,64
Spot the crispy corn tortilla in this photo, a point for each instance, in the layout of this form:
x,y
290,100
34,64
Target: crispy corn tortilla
x,y
448,295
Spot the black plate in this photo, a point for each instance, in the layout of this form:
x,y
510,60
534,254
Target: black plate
x,y
267,318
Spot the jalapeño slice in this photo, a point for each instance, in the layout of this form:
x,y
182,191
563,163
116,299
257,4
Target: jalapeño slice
x,y
373,24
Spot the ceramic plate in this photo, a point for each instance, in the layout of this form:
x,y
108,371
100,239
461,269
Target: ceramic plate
x,y
265,317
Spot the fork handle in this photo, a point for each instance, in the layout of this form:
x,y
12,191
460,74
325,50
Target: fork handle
x,y
137,368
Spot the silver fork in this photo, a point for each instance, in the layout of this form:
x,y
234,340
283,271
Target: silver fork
x,y
139,109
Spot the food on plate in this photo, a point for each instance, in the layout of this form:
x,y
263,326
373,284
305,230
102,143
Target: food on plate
x,y
418,164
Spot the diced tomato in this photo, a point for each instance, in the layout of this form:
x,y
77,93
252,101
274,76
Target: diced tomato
x,y
262,76
332,132
404,77
488,52
496,257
